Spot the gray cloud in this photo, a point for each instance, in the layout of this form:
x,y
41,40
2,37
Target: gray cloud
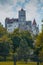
x,y
4,2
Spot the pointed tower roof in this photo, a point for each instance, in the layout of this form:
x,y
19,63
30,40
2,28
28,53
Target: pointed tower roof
x,y
22,9
34,22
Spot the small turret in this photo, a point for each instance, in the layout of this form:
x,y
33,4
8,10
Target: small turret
x,y
34,22
35,28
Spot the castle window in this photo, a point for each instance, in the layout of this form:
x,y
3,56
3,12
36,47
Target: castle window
x,y
9,25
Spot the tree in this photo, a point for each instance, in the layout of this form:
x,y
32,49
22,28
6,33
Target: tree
x,y
15,37
22,40
23,51
18,36
2,30
39,46
5,43
27,36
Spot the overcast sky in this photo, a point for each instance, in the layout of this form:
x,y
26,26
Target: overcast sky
x,y
10,8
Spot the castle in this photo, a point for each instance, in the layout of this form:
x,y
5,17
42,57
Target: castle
x,y
21,23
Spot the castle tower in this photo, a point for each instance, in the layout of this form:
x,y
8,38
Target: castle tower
x,y
22,15
35,28
22,19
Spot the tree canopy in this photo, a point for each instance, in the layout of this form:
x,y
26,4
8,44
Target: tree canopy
x,y
39,45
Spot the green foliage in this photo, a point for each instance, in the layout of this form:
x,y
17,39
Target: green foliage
x,y
2,31
5,43
23,51
39,46
18,36
10,42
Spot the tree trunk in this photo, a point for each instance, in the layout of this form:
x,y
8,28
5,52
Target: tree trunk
x,y
5,58
14,62
37,63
